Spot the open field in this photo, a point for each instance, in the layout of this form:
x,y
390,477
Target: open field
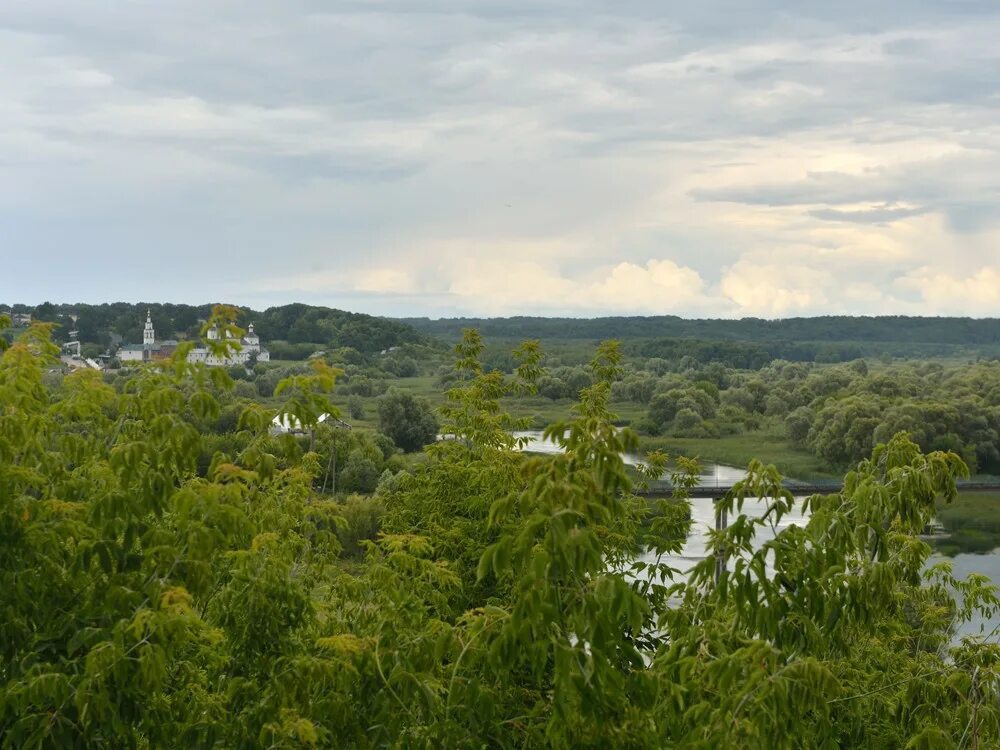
x,y
770,447
972,523
976,509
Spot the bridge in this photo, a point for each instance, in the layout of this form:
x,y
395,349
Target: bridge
x,y
800,488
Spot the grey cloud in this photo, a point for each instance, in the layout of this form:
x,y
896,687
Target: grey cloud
x,y
973,216
362,125
298,167
881,215
816,188
964,187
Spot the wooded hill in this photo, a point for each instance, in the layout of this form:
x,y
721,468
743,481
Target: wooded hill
x,y
294,324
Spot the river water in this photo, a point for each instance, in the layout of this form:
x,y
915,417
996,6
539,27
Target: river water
x,y
703,519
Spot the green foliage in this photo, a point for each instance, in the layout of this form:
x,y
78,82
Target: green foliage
x,y
360,473
5,323
167,585
300,324
837,413
362,521
351,461
749,343
407,419
799,423
356,407
400,366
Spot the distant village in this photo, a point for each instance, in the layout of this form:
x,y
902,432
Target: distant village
x,y
150,350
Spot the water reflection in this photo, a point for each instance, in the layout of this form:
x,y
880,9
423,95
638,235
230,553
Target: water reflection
x,y
970,549
967,542
703,520
712,475
964,564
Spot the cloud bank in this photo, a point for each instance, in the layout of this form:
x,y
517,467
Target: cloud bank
x,y
438,157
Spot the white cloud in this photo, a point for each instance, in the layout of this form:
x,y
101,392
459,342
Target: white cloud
x,y
774,291
660,286
509,279
386,281
497,285
942,292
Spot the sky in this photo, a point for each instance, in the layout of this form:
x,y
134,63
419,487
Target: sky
x,y
719,158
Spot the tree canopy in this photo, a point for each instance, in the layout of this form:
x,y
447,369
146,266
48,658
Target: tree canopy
x,y
153,600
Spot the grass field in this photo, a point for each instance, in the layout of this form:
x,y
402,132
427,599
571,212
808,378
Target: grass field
x,y
972,523
976,509
739,450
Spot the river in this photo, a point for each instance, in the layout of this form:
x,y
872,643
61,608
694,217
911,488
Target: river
x,y
703,519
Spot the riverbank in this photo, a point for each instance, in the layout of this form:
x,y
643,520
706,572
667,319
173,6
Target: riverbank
x,y
972,523
972,508
739,450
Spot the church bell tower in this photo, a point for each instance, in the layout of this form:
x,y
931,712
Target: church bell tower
x,y
148,337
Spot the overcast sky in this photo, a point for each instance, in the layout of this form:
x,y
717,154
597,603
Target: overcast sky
x,y
440,157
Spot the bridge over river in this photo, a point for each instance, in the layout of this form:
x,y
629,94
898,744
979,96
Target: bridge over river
x,y
714,490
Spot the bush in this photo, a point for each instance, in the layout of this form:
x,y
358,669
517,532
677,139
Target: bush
x,y
363,515
245,390
362,385
647,426
360,473
551,387
401,367
799,422
356,406
687,420
385,444
407,419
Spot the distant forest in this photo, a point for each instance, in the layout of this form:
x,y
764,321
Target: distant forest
x,y
749,342
295,331
898,328
290,331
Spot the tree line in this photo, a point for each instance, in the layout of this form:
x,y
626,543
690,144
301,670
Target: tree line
x,y
885,328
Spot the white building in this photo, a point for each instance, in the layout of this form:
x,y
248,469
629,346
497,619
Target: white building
x,y
249,350
285,423
150,349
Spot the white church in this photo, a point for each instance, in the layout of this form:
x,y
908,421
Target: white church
x,y
151,349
